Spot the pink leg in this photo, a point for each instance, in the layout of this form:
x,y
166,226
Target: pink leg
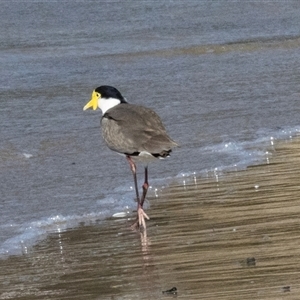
x,y
141,215
133,170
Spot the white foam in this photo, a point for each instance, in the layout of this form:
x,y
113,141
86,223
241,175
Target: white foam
x,y
121,214
119,202
241,154
27,155
31,232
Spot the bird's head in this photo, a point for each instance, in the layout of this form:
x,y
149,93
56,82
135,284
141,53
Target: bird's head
x,y
105,97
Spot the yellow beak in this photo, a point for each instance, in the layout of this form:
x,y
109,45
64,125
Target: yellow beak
x,y
93,102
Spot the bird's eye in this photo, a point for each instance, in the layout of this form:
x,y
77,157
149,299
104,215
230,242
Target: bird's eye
x,y
98,95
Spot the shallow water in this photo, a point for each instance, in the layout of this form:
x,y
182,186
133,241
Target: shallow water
x,y
231,237
223,77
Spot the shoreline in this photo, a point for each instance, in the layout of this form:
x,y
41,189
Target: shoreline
x,y
226,238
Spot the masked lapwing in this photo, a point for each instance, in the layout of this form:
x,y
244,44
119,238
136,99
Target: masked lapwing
x,y
134,131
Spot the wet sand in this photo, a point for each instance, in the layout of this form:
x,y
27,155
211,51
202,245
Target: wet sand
x,y
232,237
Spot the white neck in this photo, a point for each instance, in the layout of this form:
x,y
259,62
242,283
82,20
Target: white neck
x,y
106,104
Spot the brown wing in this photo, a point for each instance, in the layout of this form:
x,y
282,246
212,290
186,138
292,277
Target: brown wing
x,y
129,128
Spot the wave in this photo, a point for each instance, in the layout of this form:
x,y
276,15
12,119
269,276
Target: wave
x,y
240,155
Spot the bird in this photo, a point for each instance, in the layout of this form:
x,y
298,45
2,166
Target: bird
x,y
135,131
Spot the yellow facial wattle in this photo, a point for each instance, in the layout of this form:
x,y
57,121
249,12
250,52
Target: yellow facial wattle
x,y
93,102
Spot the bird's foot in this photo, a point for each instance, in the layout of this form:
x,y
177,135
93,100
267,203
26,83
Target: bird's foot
x,y
140,222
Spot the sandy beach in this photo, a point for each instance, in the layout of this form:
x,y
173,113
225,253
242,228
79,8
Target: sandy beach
x,y
224,208
232,237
